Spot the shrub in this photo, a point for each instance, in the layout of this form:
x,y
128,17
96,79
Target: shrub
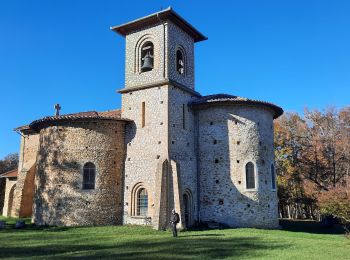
x,y
336,202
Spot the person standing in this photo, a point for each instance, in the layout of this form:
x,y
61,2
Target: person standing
x,y
174,219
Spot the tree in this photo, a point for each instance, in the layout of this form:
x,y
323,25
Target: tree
x,y
312,157
290,130
336,202
9,163
325,154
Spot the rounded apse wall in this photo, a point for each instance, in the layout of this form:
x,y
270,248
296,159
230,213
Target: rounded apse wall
x,y
230,137
60,197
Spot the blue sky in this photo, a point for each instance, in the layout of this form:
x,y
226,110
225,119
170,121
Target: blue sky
x,y
293,53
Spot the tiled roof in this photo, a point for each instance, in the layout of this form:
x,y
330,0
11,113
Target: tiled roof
x,y
90,115
23,129
10,174
164,15
230,99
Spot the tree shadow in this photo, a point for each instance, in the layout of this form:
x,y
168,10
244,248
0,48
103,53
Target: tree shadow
x,y
309,226
204,235
204,246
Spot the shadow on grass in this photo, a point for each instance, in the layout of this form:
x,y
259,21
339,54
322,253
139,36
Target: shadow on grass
x,y
204,235
309,226
10,227
202,246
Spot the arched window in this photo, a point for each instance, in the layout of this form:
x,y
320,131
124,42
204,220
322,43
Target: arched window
x,y
180,62
89,175
142,202
147,52
273,177
250,176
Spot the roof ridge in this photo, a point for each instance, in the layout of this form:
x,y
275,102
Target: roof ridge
x,y
216,98
114,114
155,18
83,113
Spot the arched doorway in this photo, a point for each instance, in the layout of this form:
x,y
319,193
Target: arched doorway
x,y
188,208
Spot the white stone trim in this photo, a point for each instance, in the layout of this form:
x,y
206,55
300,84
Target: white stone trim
x,y
256,178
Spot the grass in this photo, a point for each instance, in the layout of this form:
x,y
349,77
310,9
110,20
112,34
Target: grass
x,y
126,242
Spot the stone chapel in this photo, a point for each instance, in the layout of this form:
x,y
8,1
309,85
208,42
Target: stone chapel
x,y
211,158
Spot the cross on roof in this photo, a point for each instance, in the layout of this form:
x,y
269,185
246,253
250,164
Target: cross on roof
x,y
58,108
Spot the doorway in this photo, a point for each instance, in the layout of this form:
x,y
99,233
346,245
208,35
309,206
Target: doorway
x,y
188,208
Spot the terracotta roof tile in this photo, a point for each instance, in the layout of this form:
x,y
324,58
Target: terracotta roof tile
x,y
89,115
225,98
10,174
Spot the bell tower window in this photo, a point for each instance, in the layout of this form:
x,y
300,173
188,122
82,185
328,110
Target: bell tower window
x,y
180,63
147,51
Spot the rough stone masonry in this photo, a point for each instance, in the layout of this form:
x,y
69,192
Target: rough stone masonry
x,y
211,158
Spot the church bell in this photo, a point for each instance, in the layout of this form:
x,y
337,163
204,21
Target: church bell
x,y
147,62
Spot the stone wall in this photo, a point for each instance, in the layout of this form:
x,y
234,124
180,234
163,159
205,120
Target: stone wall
x,y
182,144
161,153
23,197
9,195
229,137
2,191
146,147
178,39
64,149
167,38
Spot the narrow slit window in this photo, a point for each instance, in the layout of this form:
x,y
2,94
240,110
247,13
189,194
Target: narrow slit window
x,y
183,116
273,177
143,112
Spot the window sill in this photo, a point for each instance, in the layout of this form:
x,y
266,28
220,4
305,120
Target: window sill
x,y
88,190
250,190
140,217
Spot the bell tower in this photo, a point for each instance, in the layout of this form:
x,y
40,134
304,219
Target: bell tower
x,y
159,47
160,143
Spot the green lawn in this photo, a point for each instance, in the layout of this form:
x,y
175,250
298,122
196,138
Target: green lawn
x,y
125,242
